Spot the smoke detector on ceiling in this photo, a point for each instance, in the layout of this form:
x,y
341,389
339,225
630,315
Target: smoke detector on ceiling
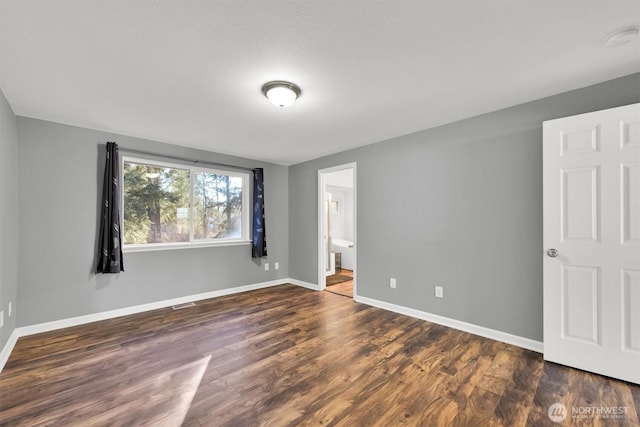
x,y
621,36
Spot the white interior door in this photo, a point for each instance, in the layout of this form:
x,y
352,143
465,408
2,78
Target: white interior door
x,y
592,242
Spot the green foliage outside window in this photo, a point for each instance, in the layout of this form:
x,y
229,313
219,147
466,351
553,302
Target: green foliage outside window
x,y
157,207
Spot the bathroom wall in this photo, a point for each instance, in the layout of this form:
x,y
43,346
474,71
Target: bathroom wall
x,y
342,221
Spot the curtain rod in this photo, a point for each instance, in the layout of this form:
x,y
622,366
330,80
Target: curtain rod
x,y
168,156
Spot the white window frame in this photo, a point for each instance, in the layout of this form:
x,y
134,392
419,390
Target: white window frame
x,y
245,238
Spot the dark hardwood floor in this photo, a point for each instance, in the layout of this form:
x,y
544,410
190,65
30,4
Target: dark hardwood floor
x,y
289,356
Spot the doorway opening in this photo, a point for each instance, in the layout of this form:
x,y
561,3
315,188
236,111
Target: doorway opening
x,y
337,230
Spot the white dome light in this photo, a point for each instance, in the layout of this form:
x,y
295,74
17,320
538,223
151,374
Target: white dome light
x,y
281,94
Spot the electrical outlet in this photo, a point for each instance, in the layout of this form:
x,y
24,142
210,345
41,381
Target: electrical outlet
x,y
1,318
266,266
439,292
276,266
392,282
9,310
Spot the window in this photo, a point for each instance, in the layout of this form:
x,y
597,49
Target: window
x,y
169,205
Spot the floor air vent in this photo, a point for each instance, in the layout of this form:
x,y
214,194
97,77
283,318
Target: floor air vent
x,y
185,305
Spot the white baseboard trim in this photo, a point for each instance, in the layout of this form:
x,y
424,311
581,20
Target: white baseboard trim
x,y
8,348
95,317
307,285
518,341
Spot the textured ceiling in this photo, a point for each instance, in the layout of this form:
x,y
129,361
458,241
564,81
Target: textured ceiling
x,y
190,72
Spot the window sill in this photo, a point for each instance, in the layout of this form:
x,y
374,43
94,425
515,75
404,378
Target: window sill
x,y
149,247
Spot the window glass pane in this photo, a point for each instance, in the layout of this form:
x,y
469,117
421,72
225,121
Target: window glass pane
x,y
217,203
156,204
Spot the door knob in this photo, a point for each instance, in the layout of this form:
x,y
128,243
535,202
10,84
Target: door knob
x,y
552,253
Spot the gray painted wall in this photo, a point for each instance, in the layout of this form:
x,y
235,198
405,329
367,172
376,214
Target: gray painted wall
x,y
9,243
60,175
459,206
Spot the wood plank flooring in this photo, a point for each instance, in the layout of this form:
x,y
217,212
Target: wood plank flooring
x,y
289,356
343,288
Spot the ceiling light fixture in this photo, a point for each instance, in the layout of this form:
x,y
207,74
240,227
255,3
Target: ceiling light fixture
x,y
280,93
621,36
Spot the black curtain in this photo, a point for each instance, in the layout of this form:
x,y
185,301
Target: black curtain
x,y
259,241
110,258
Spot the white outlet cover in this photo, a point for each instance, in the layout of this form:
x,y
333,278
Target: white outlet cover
x,y
266,266
439,292
392,282
1,318
276,265
9,309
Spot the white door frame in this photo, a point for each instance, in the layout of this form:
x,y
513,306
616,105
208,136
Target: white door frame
x,y
322,259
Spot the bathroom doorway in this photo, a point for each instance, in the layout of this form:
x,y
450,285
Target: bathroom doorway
x,y
337,230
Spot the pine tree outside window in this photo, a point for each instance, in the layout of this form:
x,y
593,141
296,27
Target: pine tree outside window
x,y
168,206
